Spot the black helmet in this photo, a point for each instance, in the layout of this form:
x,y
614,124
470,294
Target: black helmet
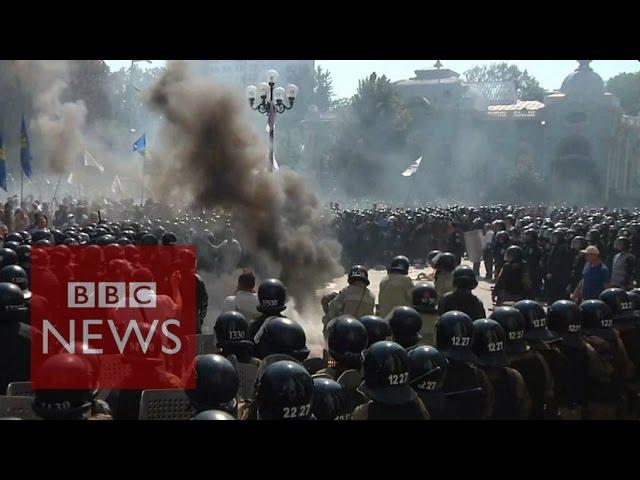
x,y
16,275
427,368
424,298
385,368
7,257
502,237
535,321
489,342
530,235
454,335
281,335
11,245
597,319
464,277
579,243
58,236
346,339
24,255
106,239
634,298
512,322
399,264
215,383
405,325
169,238
593,235
13,237
26,237
431,257
378,329
557,236
44,234
330,401
358,272
12,303
564,318
213,415
70,403
232,332
148,239
513,254
272,296
446,261
621,243
284,391
621,307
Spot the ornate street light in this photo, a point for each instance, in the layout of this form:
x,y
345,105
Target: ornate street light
x,y
271,102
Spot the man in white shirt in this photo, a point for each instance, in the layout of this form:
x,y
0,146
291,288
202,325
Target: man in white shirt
x,y
245,299
488,251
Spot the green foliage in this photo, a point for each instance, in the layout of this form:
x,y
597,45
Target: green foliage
x,y
626,86
527,87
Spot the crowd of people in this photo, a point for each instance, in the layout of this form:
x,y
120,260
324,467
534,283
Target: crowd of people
x,y
563,341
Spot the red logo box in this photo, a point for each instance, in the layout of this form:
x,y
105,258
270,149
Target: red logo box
x,y
128,311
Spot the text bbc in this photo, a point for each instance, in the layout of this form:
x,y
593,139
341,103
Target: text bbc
x,y
111,295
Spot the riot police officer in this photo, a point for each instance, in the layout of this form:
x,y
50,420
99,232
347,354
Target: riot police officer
x,y
532,254
466,387
511,400
424,300
559,265
623,264
15,336
428,368
272,298
513,283
212,384
330,401
385,368
406,324
395,287
346,339
232,331
281,335
378,329
355,299
461,299
444,263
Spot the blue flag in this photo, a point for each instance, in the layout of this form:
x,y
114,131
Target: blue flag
x,y
140,145
3,166
25,151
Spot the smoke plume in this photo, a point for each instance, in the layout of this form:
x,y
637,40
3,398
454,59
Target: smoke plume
x,y
208,150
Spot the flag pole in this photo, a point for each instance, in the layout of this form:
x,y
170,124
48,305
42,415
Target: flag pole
x,y
55,192
411,187
142,183
21,187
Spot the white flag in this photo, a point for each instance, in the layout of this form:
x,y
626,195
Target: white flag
x,y
89,161
116,185
70,178
275,166
413,168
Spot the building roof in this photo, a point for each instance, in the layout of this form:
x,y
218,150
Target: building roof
x,y
583,82
530,105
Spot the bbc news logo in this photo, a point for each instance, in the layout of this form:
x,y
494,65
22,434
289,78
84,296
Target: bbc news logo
x,y
138,322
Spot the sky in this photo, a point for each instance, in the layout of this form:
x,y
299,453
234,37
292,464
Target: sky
x,y
346,73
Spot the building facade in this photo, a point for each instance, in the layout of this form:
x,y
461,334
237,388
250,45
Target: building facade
x,y
578,141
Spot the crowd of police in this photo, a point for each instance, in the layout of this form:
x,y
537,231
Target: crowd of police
x,y
417,351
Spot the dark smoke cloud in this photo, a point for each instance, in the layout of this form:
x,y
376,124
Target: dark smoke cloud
x,y
208,150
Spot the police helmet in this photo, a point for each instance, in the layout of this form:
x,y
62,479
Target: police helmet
x,y
346,339
564,318
424,298
446,261
579,243
281,335
535,321
489,342
232,332
213,415
513,254
621,307
272,296
13,237
215,384
622,244
169,238
597,319
7,257
385,368
454,335
512,322
405,323
399,264
358,273
13,307
330,401
431,257
11,245
464,277
284,391
378,328
428,368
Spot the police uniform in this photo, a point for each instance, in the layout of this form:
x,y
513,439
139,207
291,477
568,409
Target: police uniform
x,y
372,410
513,283
622,270
539,382
427,332
395,291
463,403
532,254
463,300
443,282
511,400
355,299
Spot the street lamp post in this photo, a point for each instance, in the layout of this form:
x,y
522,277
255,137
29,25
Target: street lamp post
x,y
271,102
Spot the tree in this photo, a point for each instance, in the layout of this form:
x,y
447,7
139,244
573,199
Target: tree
x,y
626,86
527,87
372,130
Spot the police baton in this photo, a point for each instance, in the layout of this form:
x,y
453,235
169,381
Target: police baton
x,y
425,375
460,393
